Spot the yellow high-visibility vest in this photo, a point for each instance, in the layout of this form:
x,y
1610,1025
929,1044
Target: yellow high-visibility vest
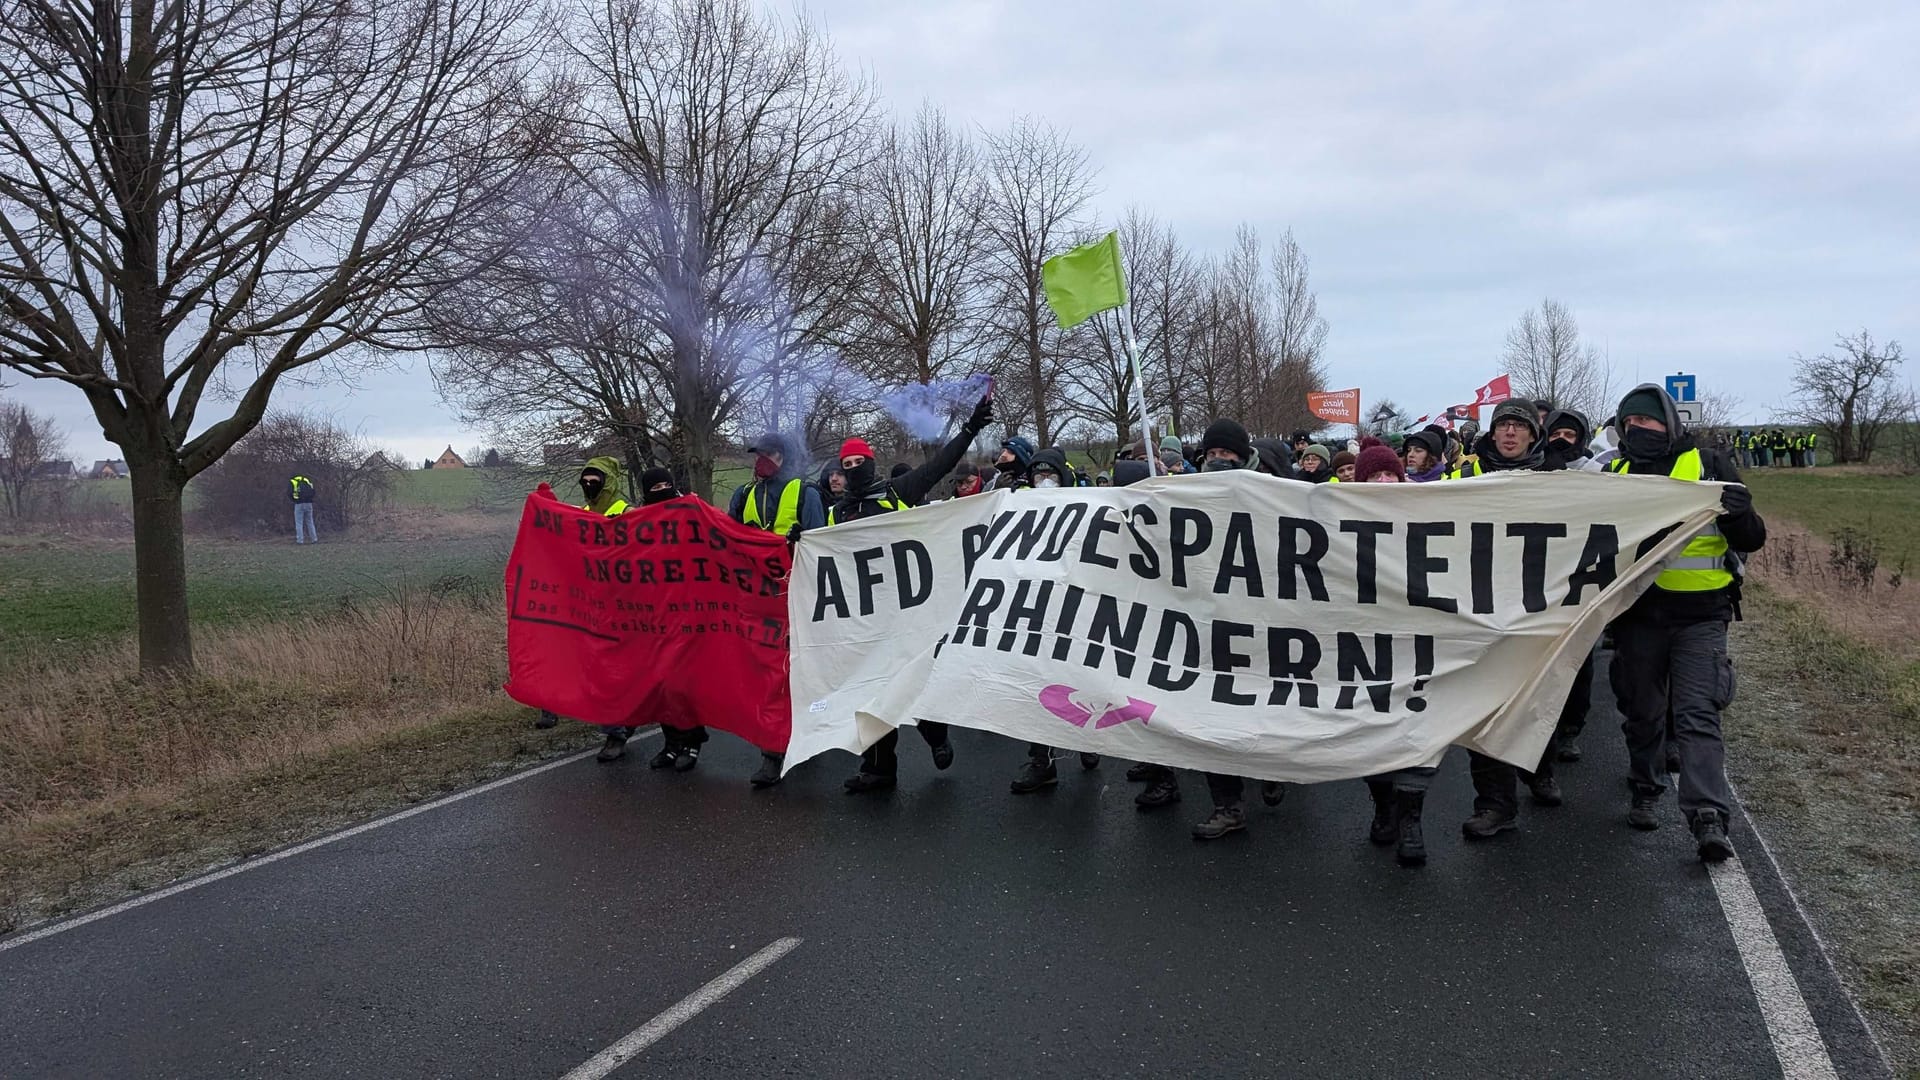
x,y
889,502
1467,467
614,509
1701,566
785,515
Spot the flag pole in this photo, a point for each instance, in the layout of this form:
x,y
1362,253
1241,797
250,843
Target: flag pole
x,y
1154,468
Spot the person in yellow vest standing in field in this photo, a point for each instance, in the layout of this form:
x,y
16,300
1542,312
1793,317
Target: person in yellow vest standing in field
x,y
303,530
1670,656
780,500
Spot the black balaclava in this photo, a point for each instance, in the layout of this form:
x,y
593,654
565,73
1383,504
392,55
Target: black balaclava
x,y
591,483
860,477
648,479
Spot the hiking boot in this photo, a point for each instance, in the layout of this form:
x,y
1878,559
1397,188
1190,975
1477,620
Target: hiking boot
x,y
546,720
1645,814
1225,819
943,756
1673,759
1569,751
862,782
1272,792
768,774
1386,814
1089,761
613,749
1487,824
1710,831
687,760
1162,792
663,759
1546,791
1413,842
1034,775
1140,772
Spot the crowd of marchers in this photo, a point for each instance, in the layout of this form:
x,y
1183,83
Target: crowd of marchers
x,y
1670,671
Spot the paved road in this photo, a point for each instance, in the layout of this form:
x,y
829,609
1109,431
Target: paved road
x,y
947,930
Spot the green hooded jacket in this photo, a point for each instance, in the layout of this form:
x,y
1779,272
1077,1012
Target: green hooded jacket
x,y
611,499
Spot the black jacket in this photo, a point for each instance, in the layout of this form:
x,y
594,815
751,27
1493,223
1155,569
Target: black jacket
x,y
910,489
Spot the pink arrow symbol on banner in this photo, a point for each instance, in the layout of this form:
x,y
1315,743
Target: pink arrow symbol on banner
x,y
1058,700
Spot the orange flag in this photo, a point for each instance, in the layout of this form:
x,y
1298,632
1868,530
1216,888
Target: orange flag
x,y
1336,406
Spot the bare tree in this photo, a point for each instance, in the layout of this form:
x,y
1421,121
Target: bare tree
x,y
1258,336
225,195
700,246
923,248
29,442
1096,373
1038,184
1545,359
1852,395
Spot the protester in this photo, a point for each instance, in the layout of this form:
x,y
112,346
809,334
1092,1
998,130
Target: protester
x,y
1343,466
1567,439
1225,448
1010,467
1173,456
680,746
1315,464
968,481
779,500
1542,409
1426,455
868,496
1272,457
1400,796
1103,479
1670,656
1047,471
1378,464
600,484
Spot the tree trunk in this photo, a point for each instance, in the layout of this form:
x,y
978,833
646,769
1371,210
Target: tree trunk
x,y
160,568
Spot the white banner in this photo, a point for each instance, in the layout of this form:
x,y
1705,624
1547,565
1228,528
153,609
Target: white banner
x,y
1230,622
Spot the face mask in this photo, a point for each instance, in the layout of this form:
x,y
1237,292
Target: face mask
x,y
1562,445
1219,465
659,496
1646,444
764,467
590,487
860,477
1010,465
1046,481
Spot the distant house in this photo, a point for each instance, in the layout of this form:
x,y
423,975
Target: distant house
x,y
108,470
56,470
449,460
378,460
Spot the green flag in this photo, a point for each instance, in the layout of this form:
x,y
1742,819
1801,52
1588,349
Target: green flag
x,y
1085,281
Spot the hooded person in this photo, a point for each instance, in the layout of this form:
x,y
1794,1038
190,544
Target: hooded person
x,y
600,483
1566,446
1010,466
657,486
868,496
1315,464
1670,648
1048,471
1426,455
1273,457
679,746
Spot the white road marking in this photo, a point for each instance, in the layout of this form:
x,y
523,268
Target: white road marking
x,y
629,1047
1796,1039
298,849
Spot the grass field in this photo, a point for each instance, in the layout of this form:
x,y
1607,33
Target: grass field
x,y
1882,505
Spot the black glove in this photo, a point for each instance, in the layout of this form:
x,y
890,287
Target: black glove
x,y
793,535
982,416
1736,499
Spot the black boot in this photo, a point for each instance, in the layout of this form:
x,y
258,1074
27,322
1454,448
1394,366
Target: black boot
x,y
1162,792
1272,792
863,782
1645,814
1225,819
943,755
1413,844
689,757
1089,761
1034,775
546,720
1140,772
1386,813
768,774
1710,832
614,748
1488,823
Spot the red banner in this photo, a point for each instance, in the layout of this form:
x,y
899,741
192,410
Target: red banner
x,y
1335,406
672,613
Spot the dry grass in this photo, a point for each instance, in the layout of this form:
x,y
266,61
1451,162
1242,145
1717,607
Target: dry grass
x,y
111,783
1848,580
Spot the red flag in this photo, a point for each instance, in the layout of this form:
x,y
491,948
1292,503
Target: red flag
x,y
1495,392
1335,406
672,612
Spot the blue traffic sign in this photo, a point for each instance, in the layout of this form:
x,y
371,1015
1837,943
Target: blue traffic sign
x,y
1680,387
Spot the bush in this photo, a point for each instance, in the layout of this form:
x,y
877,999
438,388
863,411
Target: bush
x,y
248,489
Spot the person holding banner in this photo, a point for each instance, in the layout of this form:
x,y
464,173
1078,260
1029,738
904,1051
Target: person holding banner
x,y
1670,657
1315,464
679,746
1426,459
780,500
1049,469
868,495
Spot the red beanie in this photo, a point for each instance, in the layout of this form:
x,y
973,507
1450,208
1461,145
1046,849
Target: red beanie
x,y
856,445
1376,459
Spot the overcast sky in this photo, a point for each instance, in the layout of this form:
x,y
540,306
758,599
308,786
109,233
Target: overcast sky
x,y
1709,188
